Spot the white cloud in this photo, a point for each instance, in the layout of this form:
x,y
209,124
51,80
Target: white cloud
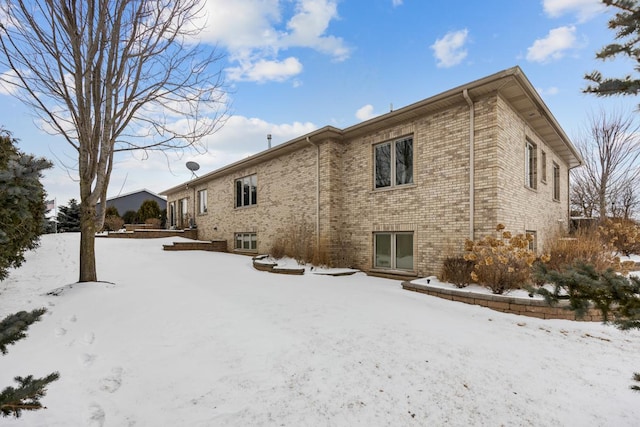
x,y
9,83
554,46
396,3
449,50
256,32
550,91
264,70
583,9
365,113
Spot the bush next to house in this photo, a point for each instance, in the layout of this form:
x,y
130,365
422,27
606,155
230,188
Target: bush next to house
x,y
457,270
623,235
501,263
585,245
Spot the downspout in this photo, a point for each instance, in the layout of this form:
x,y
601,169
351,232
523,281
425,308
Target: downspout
x,y
317,192
465,94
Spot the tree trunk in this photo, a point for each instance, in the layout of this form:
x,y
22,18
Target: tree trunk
x,y
87,242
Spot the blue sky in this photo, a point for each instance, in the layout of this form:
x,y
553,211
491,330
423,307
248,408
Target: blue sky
x,y
292,66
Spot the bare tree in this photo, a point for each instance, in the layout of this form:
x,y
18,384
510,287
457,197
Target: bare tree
x,y
611,150
111,76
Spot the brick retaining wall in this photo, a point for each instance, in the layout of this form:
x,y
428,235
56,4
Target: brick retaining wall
x,y
504,303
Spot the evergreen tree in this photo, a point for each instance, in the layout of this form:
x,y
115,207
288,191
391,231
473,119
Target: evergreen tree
x,y
614,295
626,25
26,396
22,206
130,217
69,217
148,209
112,211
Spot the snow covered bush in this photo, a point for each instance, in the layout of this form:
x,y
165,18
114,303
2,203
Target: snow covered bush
x,y
501,263
456,270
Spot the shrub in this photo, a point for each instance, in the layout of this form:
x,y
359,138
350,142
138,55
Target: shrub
x,y
148,209
614,295
111,211
501,264
623,235
130,217
278,249
585,246
113,223
457,270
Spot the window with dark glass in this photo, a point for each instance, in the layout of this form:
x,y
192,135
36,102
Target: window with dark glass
x,y
393,163
393,250
531,165
246,191
556,182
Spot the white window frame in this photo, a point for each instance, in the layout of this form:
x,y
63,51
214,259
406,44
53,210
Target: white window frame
x,y
533,245
393,262
252,182
393,163
556,182
531,165
248,242
202,202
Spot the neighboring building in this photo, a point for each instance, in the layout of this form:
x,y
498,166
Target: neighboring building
x,y
403,190
132,201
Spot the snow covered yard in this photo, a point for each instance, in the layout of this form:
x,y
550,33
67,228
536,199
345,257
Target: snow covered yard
x,y
203,339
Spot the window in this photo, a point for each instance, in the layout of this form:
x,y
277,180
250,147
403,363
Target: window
x,y
543,160
393,251
556,182
533,243
530,165
202,201
172,214
183,213
246,241
246,191
394,163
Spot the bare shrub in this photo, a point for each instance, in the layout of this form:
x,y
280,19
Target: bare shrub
x,y
585,245
113,223
322,254
456,270
501,264
278,249
345,251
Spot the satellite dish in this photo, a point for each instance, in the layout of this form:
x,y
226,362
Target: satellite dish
x,y
193,167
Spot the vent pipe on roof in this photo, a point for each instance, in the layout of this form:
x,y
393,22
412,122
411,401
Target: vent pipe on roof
x,y
269,140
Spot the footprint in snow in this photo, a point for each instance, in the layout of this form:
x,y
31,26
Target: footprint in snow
x,y
87,359
72,318
95,416
113,381
59,332
89,337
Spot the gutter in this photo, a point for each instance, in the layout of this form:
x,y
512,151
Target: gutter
x,y
472,169
317,192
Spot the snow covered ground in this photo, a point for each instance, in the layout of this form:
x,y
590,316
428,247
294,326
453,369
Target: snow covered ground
x,y
203,339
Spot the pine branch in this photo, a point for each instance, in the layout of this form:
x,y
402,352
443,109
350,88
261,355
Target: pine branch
x,y
13,327
26,397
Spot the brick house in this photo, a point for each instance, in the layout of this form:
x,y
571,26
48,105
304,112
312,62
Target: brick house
x,y
401,191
